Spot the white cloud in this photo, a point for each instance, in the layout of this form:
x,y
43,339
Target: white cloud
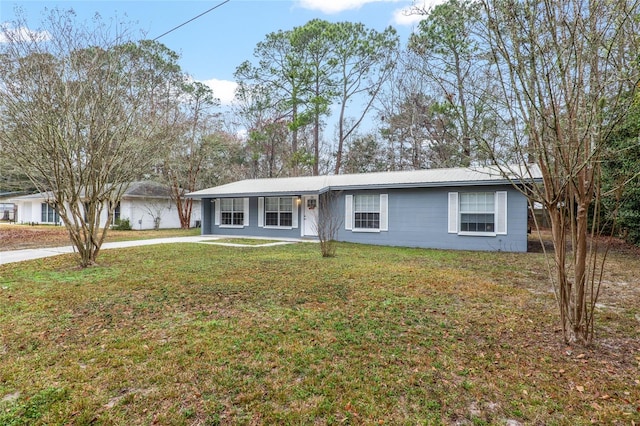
x,y
409,16
224,90
336,6
7,33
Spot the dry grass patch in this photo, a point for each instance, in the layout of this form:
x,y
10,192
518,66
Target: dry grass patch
x,y
18,237
201,334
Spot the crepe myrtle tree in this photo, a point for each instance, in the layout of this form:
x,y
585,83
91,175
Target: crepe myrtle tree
x,y
329,221
75,115
566,71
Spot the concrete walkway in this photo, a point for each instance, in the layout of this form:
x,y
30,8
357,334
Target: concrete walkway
x,y
13,256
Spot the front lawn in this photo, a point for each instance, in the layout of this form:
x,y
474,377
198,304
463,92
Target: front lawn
x,y
184,334
20,237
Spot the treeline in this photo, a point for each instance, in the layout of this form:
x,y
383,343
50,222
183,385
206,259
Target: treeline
x,y
343,98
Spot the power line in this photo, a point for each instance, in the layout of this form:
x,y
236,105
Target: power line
x,y
192,19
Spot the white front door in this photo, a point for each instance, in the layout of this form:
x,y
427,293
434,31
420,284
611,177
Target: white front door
x,y
310,215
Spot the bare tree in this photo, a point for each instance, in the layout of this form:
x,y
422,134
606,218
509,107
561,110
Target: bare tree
x,y
190,127
155,207
329,222
566,69
74,116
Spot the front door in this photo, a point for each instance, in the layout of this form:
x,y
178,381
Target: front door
x,y
310,212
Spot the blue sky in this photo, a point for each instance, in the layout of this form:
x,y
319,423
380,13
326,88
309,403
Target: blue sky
x,y
212,46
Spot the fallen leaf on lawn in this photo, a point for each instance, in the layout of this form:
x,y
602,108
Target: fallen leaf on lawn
x,y
580,388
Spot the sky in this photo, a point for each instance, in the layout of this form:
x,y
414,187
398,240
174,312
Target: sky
x,y
213,45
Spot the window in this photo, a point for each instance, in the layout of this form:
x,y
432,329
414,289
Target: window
x,y
232,211
278,211
49,214
116,213
366,212
477,212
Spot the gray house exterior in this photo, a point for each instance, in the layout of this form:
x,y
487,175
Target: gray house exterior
x,y
461,208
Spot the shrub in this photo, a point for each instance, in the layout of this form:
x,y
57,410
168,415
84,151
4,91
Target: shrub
x,y
122,225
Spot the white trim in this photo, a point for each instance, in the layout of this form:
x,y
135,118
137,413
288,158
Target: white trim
x,y
452,221
245,212
348,212
261,212
477,234
501,212
295,212
216,207
384,212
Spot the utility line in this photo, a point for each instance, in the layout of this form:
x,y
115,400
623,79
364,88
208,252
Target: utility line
x,y
192,19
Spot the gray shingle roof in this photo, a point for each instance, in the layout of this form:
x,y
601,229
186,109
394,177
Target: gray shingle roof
x,y
140,189
382,180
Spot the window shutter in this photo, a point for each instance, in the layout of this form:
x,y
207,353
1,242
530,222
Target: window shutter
x,y
245,212
453,213
348,212
261,212
501,212
384,212
216,208
294,212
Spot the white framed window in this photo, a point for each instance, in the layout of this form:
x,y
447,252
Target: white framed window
x,y
478,213
366,212
278,212
231,212
49,214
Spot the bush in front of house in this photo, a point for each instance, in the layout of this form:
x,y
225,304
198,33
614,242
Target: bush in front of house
x,y
122,225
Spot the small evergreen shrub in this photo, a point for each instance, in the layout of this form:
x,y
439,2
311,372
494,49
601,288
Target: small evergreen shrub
x,y
122,225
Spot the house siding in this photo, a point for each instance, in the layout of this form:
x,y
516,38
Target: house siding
x,y
210,228
136,210
417,217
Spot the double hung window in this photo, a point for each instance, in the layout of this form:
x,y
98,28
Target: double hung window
x,y
477,212
366,212
278,211
232,211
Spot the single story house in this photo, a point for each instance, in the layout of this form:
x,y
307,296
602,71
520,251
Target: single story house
x,y
143,203
458,208
8,208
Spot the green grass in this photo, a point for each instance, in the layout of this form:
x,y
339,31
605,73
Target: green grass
x,y
186,334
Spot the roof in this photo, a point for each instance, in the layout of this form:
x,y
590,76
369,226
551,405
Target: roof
x,y
141,189
461,176
147,189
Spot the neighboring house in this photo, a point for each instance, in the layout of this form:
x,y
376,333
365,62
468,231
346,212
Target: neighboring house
x,y
142,204
461,208
7,208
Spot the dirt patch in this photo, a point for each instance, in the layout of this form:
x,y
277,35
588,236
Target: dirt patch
x,y
18,237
